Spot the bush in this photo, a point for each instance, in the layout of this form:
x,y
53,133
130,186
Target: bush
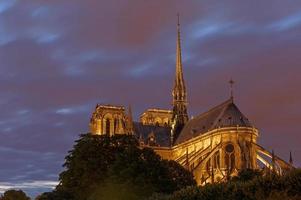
x,y
247,186
14,195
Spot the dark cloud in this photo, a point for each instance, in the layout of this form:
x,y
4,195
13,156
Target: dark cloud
x,y
59,58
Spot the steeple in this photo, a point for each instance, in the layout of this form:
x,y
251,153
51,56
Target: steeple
x,y
179,80
180,116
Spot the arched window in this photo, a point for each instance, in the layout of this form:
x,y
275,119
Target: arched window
x,y
229,157
108,124
216,163
115,125
208,165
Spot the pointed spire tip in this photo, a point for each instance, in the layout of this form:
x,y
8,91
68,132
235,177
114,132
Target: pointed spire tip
x,y
231,82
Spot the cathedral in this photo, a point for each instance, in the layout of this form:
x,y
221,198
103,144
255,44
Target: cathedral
x,y
213,145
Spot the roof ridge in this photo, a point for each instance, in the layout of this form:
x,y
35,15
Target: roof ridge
x,y
226,114
221,113
214,108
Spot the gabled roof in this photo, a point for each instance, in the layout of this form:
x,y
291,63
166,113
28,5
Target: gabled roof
x,y
226,114
161,134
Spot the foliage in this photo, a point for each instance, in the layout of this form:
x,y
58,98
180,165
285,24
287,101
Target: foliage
x,y
55,195
101,167
87,164
116,190
14,195
247,175
247,186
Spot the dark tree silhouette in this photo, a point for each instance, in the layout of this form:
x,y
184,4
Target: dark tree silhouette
x,y
14,195
102,167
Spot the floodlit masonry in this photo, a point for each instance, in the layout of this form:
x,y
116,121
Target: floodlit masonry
x,y
214,145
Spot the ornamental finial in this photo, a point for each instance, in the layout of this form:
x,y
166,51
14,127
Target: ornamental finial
x,y
231,82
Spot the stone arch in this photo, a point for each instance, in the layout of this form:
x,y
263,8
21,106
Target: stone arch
x,y
216,160
229,157
108,124
165,122
98,128
119,126
158,121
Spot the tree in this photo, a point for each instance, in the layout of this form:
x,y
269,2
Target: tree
x,y
249,185
55,195
100,166
14,195
144,167
247,175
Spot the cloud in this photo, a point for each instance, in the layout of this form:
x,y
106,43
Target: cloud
x,y
287,23
72,110
210,28
6,4
59,58
41,185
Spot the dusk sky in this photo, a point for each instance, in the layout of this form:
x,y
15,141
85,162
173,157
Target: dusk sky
x,y
59,58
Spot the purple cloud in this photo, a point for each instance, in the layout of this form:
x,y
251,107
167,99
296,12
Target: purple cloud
x,y
59,58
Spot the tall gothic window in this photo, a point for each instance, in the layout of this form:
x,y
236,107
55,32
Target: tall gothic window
x,y
208,165
229,157
216,162
108,124
115,125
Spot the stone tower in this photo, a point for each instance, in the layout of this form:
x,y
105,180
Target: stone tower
x,y
180,116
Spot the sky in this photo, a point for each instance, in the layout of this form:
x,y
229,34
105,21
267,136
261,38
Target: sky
x,y
59,58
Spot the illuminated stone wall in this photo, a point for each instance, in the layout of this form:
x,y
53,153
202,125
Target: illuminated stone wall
x,y
216,155
108,120
213,156
157,117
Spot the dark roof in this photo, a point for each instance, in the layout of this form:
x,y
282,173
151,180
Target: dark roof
x,y
161,134
224,115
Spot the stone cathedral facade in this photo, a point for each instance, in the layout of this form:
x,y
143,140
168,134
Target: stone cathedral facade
x,y
214,145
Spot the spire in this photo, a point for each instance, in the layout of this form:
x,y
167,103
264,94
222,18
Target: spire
x,y
180,116
291,159
179,79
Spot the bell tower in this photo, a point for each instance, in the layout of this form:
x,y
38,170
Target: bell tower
x,y
180,116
